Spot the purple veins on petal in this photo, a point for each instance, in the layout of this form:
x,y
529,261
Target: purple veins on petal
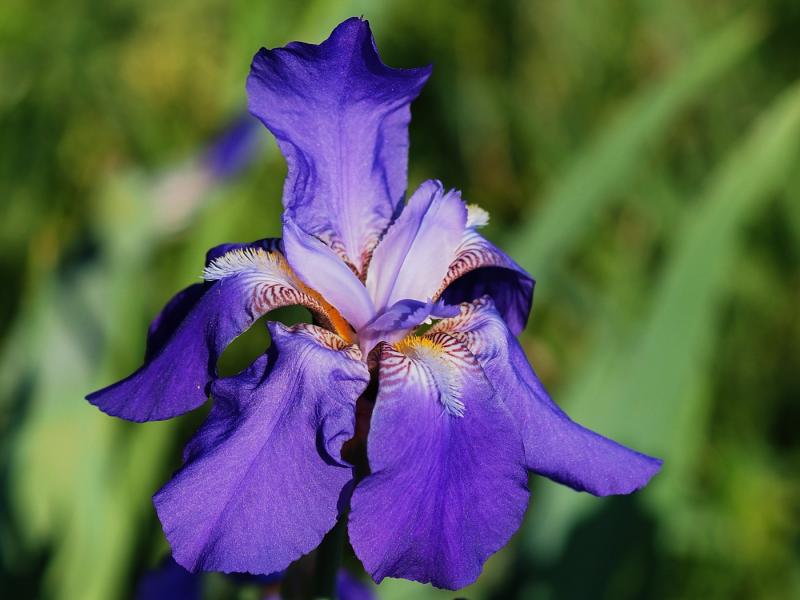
x,y
188,337
481,269
448,486
555,446
341,118
263,475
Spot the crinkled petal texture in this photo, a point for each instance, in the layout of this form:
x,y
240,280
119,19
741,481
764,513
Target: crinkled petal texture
x,y
341,120
448,484
481,269
189,335
263,476
413,257
555,446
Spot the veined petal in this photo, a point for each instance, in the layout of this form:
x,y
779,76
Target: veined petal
x,y
555,446
400,319
480,268
264,474
341,120
448,484
188,337
176,310
324,271
413,257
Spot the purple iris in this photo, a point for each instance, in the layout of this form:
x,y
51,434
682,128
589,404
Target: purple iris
x,y
453,418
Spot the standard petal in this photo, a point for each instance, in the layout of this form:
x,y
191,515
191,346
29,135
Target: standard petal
x,y
413,257
188,337
264,474
341,120
323,270
555,446
480,268
448,484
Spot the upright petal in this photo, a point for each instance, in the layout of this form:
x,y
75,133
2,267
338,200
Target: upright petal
x,y
448,485
188,337
263,476
341,120
480,268
555,446
325,272
413,257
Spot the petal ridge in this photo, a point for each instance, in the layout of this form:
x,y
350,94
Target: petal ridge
x,y
341,118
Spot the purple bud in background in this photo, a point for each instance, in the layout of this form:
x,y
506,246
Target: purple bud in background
x,y
235,148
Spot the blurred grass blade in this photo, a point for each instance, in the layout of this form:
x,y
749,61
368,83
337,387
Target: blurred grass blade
x,y
650,393
609,163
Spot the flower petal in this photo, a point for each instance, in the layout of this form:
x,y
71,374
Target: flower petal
x,y
188,337
169,581
397,321
413,257
448,485
555,446
325,272
341,120
480,268
262,481
173,314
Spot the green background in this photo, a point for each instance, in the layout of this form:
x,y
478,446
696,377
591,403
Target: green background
x,y
639,158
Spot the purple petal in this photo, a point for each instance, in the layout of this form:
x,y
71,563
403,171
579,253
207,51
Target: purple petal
x,y
264,473
163,327
349,587
445,491
555,446
323,271
168,582
341,120
413,257
480,268
173,314
235,148
188,337
399,320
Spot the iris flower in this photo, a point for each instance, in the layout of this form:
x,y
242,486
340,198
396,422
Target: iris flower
x,y
453,417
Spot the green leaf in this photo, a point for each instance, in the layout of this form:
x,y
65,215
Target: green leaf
x,y
609,162
650,392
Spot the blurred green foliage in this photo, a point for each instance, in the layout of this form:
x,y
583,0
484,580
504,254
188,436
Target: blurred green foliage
x,y
639,158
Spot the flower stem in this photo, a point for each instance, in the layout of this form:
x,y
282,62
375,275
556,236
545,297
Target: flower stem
x,y
329,557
